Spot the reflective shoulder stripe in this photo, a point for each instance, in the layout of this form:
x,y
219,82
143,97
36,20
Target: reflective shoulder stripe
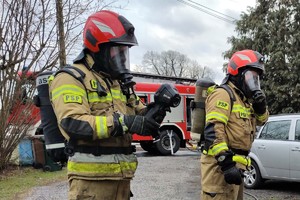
x,y
218,116
101,127
242,159
216,149
68,89
55,146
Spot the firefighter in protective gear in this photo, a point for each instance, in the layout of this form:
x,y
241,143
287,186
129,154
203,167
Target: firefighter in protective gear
x,y
230,127
98,114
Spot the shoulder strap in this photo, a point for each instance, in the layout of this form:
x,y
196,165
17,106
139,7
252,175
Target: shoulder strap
x,y
231,95
80,75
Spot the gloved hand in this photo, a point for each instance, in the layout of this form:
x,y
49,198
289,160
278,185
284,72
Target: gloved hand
x,y
150,105
232,174
141,125
138,124
156,112
147,108
259,103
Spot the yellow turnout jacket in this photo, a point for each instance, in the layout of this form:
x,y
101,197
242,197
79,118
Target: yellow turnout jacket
x,y
87,116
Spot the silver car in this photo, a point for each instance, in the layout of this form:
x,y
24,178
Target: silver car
x,y
275,153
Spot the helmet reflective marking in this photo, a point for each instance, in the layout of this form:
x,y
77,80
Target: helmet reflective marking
x,y
243,57
103,27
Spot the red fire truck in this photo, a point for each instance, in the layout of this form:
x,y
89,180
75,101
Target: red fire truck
x,y
174,129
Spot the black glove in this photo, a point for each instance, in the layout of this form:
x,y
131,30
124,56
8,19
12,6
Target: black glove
x,y
156,112
232,174
259,103
141,125
150,105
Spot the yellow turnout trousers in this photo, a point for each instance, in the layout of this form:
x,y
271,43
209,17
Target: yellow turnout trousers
x,y
99,190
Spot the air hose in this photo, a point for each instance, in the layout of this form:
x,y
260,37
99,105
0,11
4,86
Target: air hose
x,y
251,195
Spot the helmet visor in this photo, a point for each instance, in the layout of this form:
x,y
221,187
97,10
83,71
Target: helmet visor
x,y
119,60
251,80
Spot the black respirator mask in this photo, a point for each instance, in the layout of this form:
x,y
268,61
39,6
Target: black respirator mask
x,y
114,60
250,83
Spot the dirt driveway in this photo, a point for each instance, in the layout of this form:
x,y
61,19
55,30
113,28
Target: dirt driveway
x,y
174,177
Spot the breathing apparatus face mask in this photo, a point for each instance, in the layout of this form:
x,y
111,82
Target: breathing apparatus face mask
x,y
119,65
251,85
114,60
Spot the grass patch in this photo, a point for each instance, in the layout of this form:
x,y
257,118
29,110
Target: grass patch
x,y
20,180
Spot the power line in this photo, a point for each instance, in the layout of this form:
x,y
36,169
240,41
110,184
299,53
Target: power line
x,y
212,10
208,12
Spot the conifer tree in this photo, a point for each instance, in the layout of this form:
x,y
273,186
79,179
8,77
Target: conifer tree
x,y
272,28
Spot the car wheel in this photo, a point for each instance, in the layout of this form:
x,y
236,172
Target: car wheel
x,y
164,146
253,177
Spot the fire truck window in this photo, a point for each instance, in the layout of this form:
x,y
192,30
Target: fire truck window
x,y
189,112
144,99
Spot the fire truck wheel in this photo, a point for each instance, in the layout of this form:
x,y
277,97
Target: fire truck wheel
x,y
148,146
164,146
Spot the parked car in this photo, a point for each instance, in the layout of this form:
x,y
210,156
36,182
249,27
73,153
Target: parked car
x,y
275,153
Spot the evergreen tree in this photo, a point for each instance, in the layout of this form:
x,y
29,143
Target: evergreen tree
x,y
272,28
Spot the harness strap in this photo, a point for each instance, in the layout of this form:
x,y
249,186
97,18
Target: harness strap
x,y
229,91
68,69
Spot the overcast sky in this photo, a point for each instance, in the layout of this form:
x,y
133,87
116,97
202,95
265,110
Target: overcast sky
x,y
163,25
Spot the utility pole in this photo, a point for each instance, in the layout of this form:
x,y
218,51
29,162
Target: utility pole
x,y
61,33
203,72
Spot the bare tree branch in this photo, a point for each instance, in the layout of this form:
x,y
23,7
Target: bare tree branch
x,y
29,42
173,63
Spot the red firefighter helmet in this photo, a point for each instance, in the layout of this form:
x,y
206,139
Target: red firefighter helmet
x,y
245,59
107,27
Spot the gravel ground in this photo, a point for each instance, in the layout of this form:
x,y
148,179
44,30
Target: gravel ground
x,y
174,177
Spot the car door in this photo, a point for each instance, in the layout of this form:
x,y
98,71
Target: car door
x,y
272,149
295,152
